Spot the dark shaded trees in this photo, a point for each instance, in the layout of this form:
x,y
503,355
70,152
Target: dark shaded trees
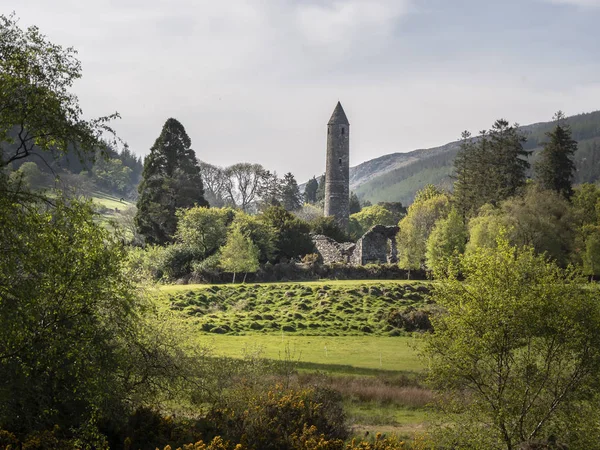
x,y
489,168
293,239
310,190
291,199
354,205
555,168
171,180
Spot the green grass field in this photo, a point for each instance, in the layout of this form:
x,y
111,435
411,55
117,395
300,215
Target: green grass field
x,y
332,307
171,288
322,308
339,354
109,201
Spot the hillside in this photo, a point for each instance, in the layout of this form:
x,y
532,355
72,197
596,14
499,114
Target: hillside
x,y
398,176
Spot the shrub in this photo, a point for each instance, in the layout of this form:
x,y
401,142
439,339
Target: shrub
x,y
273,418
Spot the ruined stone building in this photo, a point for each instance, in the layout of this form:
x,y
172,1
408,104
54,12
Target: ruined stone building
x,y
337,168
378,245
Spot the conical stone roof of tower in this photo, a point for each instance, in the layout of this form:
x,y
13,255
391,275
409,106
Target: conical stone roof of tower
x,y
338,116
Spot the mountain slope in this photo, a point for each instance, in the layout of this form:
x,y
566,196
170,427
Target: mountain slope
x,y
398,176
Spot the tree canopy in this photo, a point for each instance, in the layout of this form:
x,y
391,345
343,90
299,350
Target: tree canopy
x,y
171,180
515,353
39,111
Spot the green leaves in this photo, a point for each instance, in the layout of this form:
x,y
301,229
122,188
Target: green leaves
x,y
516,348
37,108
171,180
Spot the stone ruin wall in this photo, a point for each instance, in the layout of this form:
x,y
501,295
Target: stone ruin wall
x,y
378,245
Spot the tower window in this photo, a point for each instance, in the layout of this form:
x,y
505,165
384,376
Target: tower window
x,y
340,161
343,131
327,131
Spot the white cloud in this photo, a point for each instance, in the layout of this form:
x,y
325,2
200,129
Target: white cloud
x,y
345,22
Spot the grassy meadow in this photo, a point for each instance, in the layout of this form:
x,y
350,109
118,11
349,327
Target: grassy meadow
x,y
339,308
335,332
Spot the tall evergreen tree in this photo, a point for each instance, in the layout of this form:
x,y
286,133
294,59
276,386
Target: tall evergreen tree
x,y
355,206
555,168
321,189
489,168
310,191
171,180
291,198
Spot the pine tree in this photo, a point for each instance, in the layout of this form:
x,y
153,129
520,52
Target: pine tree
x,y
489,168
321,189
310,191
291,199
171,180
355,206
555,168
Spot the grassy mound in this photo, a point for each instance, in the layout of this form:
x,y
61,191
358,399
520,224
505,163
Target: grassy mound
x,y
319,309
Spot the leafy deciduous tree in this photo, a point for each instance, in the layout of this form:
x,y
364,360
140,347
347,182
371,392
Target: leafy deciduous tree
x,y
239,254
203,229
38,110
516,351
446,241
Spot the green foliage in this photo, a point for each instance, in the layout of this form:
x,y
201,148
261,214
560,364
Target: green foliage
x,y
355,205
319,309
310,190
291,199
362,221
516,352
29,175
111,175
260,233
490,168
271,419
38,110
430,205
447,241
327,226
203,229
72,328
586,202
321,189
555,167
171,180
541,219
239,254
293,240
591,257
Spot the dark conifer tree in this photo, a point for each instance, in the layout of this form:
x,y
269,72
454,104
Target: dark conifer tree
x,y
354,203
291,199
321,189
555,168
170,180
489,168
310,191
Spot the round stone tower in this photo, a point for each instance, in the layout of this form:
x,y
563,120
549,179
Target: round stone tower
x,y
337,169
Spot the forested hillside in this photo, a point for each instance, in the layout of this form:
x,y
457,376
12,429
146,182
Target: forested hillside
x,y
398,176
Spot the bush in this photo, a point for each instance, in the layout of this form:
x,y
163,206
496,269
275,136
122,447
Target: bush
x,y
328,227
273,418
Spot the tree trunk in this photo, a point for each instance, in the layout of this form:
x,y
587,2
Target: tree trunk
x,y
245,275
233,277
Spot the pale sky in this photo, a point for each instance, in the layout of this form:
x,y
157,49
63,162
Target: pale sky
x,y
256,80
